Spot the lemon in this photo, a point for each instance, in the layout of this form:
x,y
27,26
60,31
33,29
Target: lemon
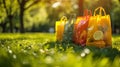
x,y
98,35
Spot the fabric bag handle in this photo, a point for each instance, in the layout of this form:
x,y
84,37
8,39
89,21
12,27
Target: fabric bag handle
x,y
64,18
87,12
101,9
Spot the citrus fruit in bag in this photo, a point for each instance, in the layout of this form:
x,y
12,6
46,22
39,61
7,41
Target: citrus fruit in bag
x,y
99,44
98,35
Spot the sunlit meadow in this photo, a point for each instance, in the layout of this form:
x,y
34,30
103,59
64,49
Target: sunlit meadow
x,y
41,50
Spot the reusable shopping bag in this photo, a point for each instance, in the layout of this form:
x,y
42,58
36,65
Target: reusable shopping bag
x,y
99,29
59,27
80,28
68,29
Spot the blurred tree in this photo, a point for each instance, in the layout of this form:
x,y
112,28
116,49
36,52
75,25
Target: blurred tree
x,y
92,4
2,17
81,3
58,8
116,19
9,9
24,5
3,25
115,15
107,6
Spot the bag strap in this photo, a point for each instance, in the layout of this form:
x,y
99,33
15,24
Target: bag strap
x,y
87,12
101,9
64,18
72,18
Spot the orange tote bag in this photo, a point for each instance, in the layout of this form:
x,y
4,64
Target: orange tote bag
x,y
99,29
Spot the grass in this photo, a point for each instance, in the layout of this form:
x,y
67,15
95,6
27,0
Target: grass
x,y
41,50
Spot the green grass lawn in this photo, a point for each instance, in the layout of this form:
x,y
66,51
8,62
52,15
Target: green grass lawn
x,y
41,50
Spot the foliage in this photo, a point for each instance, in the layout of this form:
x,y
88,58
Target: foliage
x,y
96,3
41,50
34,12
115,14
8,12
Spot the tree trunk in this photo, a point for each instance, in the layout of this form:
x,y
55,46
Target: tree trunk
x,y
3,26
81,7
22,4
22,30
11,23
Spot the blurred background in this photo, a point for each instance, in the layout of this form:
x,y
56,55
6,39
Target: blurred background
x,y
20,16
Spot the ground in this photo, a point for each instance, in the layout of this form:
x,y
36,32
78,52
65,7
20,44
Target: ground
x,y
41,50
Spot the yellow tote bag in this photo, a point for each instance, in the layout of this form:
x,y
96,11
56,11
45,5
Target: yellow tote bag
x,y
99,29
59,27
